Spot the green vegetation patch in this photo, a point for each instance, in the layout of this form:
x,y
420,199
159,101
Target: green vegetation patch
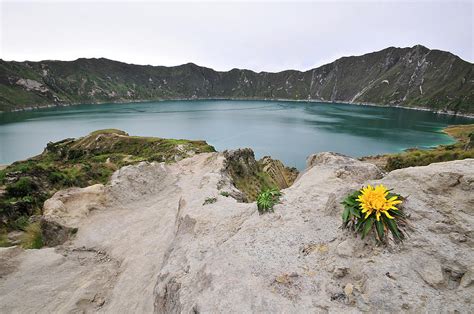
x,y
4,240
33,237
462,149
209,200
252,185
267,199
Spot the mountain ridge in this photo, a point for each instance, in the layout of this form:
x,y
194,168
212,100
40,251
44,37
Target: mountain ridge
x,y
234,68
413,77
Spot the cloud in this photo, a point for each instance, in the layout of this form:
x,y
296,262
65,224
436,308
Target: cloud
x,y
270,36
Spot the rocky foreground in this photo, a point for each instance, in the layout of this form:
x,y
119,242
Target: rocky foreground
x,y
146,242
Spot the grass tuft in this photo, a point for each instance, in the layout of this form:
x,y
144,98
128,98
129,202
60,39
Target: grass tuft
x,y
32,238
4,242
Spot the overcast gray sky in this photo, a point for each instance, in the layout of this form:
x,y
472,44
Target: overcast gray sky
x,y
269,36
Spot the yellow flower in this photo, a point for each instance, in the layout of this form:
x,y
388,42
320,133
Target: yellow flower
x,y
375,200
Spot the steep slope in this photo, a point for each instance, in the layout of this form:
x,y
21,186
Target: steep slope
x,y
417,77
150,244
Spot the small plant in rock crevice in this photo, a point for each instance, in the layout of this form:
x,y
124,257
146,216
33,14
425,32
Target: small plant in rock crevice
x,y
225,193
266,199
375,208
210,200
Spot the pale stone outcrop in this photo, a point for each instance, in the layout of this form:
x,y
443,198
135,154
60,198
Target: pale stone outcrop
x,y
70,206
154,247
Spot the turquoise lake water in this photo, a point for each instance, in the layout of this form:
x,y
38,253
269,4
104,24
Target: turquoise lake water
x,y
289,131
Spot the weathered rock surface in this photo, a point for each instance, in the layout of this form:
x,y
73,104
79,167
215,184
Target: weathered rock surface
x,y
68,207
63,213
154,246
282,175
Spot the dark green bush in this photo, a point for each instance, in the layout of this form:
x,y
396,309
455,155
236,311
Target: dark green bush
x,y
23,187
21,223
56,177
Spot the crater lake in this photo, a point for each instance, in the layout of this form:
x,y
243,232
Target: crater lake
x,y
289,131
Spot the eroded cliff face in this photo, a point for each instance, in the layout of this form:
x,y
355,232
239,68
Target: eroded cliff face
x,y
147,243
251,176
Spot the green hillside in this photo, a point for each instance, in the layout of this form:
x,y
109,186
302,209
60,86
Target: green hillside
x,y
415,77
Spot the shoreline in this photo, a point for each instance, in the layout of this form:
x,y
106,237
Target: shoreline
x,y
449,113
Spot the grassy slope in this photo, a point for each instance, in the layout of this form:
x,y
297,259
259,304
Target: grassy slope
x,y
415,76
252,185
462,149
77,162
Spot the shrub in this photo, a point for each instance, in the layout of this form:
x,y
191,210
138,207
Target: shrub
x,y
73,176
374,208
56,177
267,199
21,223
225,193
23,187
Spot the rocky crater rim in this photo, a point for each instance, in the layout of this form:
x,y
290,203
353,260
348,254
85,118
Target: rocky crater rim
x,y
415,77
160,247
92,160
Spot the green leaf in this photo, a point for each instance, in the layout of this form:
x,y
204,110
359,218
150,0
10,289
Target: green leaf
x,y
397,213
393,228
350,201
367,227
354,212
345,214
267,199
357,214
359,224
380,229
